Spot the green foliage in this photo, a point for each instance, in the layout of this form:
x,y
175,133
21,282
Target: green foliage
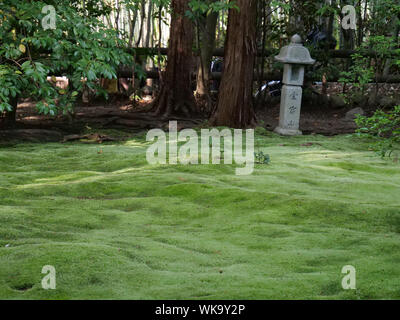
x,y
327,10
359,75
382,126
199,8
80,48
383,46
385,15
262,158
365,68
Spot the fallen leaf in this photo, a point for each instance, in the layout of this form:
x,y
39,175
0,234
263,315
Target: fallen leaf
x,y
308,144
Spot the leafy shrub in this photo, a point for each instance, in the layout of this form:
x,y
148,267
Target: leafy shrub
x,y
382,126
80,48
262,158
358,76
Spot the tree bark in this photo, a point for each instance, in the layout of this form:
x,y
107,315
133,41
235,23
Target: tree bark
x,y
207,39
143,16
264,22
132,23
176,96
235,101
149,24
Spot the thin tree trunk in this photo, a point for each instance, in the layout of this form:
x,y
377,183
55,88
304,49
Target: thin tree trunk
x,y
132,23
235,101
207,38
331,19
118,10
264,24
395,36
360,22
143,16
149,24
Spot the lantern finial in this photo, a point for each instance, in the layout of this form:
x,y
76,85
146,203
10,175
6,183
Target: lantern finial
x,y
296,39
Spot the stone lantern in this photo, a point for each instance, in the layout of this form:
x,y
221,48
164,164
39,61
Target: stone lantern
x,y
294,57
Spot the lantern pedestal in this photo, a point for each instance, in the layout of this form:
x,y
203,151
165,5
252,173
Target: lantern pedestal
x,y
289,119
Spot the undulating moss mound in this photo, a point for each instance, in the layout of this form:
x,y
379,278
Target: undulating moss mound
x,y
115,227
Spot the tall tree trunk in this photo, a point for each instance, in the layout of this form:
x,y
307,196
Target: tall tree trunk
x,y
176,96
149,24
118,11
360,23
331,19
143,16
132,23
235,101
207,38
264,22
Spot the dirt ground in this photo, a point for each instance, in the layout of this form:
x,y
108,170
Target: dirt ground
x,y
313,120
325,119
119,113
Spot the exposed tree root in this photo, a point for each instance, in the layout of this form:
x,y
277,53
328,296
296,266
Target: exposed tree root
x,y
95,137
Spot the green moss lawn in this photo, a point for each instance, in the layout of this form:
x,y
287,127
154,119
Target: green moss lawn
x,y
115,227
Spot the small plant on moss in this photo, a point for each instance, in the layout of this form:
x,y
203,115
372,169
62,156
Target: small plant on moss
x,y
262,158
383,126
259,156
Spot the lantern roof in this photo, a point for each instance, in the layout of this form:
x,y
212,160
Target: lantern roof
x,y
295,53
